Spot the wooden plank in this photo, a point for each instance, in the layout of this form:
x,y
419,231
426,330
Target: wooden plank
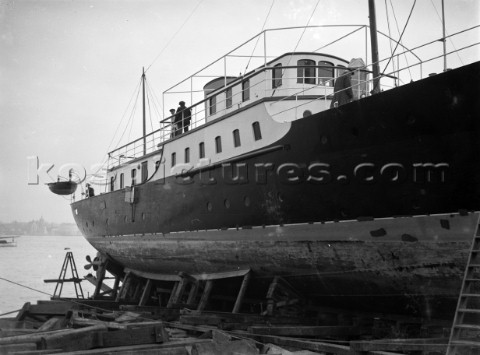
x,y
153,349
205,295
13,348
93,280
308,331
300,344
29,338
401,345
125,285
241,293
146,293
135,336
76,339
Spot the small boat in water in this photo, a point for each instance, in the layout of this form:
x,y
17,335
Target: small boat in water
x,y
8,241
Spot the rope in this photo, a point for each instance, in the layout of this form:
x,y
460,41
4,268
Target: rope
x,y
398,30
174,35
258,37
30,288
400,39
389,32
304,29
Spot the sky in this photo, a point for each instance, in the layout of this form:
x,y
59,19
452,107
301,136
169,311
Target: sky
x,y
68,69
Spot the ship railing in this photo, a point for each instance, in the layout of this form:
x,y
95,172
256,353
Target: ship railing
x,y
261,88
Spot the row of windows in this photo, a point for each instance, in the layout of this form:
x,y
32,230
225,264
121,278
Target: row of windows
x,y
212,101
257,135
306,74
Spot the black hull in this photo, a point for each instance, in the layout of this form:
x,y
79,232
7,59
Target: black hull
x,y
409,151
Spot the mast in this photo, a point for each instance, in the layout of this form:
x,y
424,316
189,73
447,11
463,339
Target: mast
x,y
444,40
374,45
144,119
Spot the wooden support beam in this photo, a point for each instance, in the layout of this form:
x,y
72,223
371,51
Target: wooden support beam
x,y
193,293
241,293
205,295
125,286
146,293
309,331
76,339
270,296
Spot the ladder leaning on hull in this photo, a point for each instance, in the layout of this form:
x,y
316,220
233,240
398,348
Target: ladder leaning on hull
x,y
465,333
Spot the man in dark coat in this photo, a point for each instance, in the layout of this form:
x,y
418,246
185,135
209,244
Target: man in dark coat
x,y
182,118
342,91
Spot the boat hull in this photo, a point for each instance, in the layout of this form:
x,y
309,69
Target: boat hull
x,y
401,265
412,150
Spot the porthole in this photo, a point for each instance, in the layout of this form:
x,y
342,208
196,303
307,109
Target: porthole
x,y
280,197
246,201
226,203
209,207
76,212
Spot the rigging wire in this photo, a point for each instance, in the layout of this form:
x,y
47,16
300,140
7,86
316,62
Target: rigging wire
x,y
304,29
398,30
389,32
258,37
174,35
400,39
105,156
449,38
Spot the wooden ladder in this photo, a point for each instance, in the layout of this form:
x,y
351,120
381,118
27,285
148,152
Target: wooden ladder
x,y
465,333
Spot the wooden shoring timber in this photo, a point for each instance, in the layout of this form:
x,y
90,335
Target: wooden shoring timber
x,y
125,285
205,295
241,293
145,293
278,290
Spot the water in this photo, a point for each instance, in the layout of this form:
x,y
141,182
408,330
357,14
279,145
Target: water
x,y
37,258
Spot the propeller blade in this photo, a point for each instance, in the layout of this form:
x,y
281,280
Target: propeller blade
x,y
87,267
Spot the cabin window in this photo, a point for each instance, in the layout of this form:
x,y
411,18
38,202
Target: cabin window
x,y
122,181
277,76
236,138
228,94
201,150
257,133
133,175
144,171
246,90
306,71
325,73
174,159
212,105
112,183
218,144
187,155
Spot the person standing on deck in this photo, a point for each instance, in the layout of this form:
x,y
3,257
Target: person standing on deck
x,y
342,91
172,123
182,118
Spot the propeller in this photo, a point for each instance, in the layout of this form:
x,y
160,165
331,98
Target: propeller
x,y
95,263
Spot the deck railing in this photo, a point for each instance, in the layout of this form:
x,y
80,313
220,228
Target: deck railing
x,y
263,88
